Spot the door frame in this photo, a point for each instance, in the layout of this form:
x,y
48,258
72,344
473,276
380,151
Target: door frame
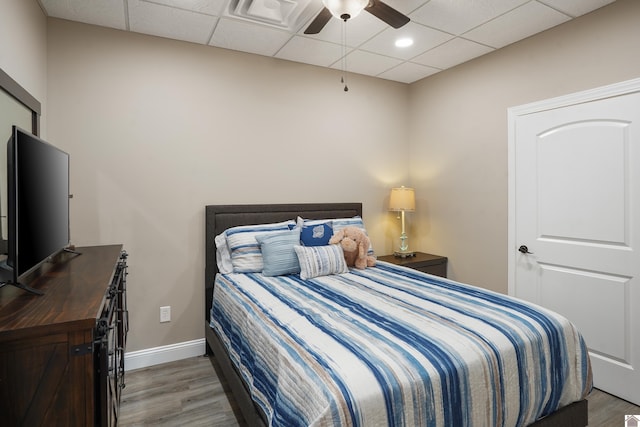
x,y
513,113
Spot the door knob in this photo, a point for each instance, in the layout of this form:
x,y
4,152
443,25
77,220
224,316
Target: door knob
x,y
524,249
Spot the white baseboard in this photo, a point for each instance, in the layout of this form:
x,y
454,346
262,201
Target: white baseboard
x,y
166,353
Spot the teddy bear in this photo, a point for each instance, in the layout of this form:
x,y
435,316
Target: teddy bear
x,y
355,244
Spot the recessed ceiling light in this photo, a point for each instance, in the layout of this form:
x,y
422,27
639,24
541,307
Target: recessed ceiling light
x,y
404,42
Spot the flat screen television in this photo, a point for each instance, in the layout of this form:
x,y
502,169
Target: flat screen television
x,y
37,204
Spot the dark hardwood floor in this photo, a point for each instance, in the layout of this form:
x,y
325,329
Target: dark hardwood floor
x,y
189,393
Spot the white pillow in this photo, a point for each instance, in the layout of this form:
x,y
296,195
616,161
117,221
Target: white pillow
x,y
246,256
318,261
223,256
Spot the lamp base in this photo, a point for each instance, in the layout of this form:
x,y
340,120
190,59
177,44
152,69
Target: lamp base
x,y
404,254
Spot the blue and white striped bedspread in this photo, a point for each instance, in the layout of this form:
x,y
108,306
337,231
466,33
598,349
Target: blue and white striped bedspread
x,y
389,346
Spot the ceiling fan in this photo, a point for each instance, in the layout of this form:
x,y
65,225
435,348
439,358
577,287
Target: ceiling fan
x,y
348,9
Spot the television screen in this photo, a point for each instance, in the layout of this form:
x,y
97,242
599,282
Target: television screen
x,y
38,201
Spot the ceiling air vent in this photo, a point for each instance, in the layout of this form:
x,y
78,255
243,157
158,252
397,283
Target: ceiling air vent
x,y
284,14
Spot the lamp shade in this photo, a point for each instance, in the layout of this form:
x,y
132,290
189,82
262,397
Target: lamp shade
x,y
345,9
402,199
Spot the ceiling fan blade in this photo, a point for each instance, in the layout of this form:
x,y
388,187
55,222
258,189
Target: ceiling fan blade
x,y
386,13
319,22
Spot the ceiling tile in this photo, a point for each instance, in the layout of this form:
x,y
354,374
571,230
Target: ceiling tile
x,y
408,72
209,7
367,63
405,6
518,24
424,39
310,51
452,53
248,37
576,8
106,13
459,16
164,21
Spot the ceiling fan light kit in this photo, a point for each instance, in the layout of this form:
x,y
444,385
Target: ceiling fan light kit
x,y
345,9
348,9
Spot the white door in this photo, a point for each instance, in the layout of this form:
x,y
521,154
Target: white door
x,y
575,206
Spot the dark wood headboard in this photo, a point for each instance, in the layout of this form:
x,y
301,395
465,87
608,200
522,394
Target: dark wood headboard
x,y
221,217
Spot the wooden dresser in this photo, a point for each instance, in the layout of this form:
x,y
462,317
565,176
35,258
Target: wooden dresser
x,y
62,353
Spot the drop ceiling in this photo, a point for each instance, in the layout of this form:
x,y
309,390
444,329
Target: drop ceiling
x,y
445,33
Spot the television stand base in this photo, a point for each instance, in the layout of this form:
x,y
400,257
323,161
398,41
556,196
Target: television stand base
x,y
72,250
23,287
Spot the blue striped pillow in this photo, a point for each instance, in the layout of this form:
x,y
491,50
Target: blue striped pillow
x,y
320,260
278,256
246,256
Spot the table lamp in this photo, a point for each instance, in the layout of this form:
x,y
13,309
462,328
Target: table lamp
x,y
403,200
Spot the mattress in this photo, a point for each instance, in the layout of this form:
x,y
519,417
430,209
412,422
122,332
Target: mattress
x,y
391,346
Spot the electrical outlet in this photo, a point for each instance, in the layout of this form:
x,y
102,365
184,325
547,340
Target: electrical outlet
x,y
165,314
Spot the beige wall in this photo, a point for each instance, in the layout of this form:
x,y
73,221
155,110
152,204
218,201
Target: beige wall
x,y
458,152
23,48
157,129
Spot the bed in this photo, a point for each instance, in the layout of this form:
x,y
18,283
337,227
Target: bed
x,y
564,386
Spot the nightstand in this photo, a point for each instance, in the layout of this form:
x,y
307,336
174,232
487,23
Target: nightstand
x,y
427,263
